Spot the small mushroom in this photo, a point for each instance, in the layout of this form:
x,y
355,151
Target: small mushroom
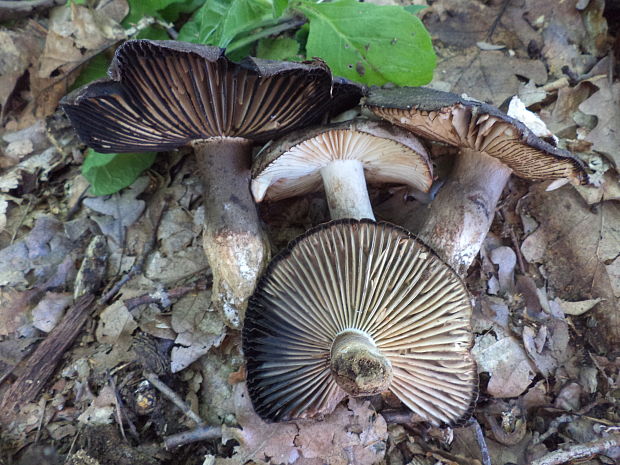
x,y
164,94
340,158
492,146
359,307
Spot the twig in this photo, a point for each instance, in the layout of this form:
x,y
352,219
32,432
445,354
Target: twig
x,y
176,400
579,451
482,444
497,19
515,243
199,434
164,297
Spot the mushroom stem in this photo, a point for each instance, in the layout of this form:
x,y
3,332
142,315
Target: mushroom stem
x,y
346,191
461,215
359,368
233,240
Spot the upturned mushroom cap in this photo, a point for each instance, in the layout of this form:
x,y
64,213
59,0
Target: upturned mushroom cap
x,y
378,287
468,123
164,94
291,166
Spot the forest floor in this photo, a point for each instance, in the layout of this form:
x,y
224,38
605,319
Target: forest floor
x,y
546,284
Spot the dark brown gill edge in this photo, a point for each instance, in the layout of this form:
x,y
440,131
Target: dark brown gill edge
x,y
233,240
460,217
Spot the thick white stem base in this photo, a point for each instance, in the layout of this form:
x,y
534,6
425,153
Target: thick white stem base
x,y
346,191
461,215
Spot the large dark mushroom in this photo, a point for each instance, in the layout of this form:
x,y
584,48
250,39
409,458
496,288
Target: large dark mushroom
x,y
164,95
340,158
358,307
492,146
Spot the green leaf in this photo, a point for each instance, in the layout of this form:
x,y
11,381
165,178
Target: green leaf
x,y
369,43
414,9
153,33
172,12
110,172
279,48
138,9
96,68
218,22
278,7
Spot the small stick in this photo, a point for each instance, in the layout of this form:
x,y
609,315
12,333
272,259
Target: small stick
x,y
513,236
579,451
176,400
199,434
163,297
482,444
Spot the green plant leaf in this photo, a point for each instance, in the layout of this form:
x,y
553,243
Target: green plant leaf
x,y
369,43
96,68
278,7
110,172
279,48
414,9
217,22
138,9
172,12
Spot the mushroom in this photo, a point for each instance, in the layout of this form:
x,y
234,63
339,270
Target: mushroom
x,y
492,146
359,307
339,158
164,94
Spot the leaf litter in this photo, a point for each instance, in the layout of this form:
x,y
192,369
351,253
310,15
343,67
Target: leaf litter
x,y
546,288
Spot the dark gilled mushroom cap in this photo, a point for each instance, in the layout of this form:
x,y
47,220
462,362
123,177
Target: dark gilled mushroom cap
x,y
162,95
165,94
361,307
471,124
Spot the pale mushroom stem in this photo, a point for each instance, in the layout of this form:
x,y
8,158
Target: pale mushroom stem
x,y
346,191
359,368
460,216
235,245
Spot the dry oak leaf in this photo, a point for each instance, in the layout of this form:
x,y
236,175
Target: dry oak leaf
x,y
488,75
605,105
581,253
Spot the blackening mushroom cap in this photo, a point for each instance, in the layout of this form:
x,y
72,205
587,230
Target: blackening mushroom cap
x,y
292,165
164,94
468,123
367,279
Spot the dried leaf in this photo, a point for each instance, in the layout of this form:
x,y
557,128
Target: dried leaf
x,y
115,322
605,105
507,363
351,434
581,244
49,310
121,210
198,329
489,76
